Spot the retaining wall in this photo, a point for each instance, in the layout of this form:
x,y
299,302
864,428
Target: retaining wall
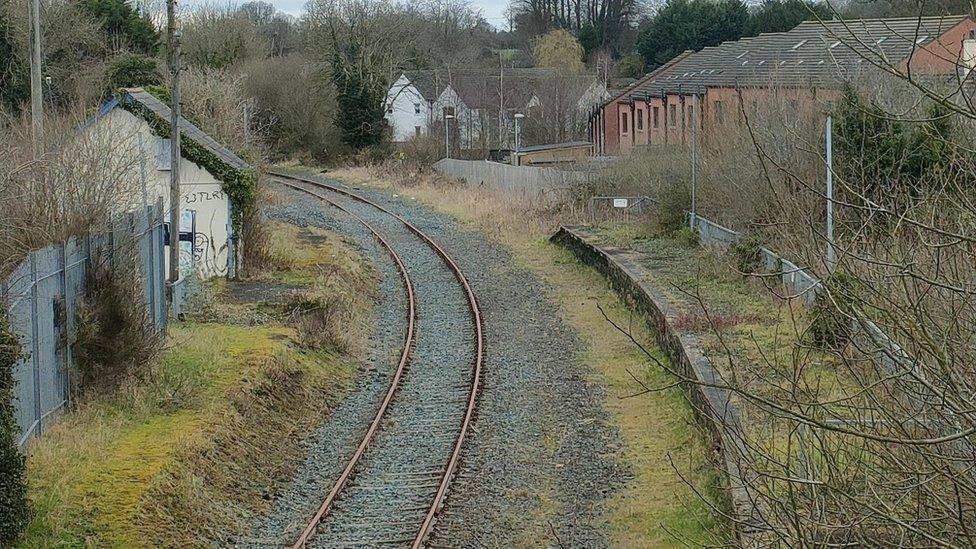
x,y
713,407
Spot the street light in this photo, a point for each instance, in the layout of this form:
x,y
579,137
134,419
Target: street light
x,y
518,117
447,134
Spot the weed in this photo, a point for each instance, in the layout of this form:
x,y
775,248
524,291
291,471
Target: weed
x,y
673,201
688,237
321,320
116,337
748,255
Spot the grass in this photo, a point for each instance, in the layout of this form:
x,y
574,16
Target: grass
x,y
657,508
179,457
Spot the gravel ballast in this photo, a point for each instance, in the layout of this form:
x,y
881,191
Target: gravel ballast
x,y
540,459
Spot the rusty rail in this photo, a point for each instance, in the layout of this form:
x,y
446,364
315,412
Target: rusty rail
x,y
438,501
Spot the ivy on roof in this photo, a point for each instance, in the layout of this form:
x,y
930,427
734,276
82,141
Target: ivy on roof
x,y
240,185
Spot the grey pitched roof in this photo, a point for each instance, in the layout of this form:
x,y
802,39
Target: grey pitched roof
x,y
482,88
818,54
187,129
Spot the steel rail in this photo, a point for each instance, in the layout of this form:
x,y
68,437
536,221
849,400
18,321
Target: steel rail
x,y
374,425
452,464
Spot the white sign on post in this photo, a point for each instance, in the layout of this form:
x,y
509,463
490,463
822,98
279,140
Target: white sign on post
x,y
619,202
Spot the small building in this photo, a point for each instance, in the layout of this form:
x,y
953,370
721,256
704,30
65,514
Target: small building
x,y
810,63
138,124
552,154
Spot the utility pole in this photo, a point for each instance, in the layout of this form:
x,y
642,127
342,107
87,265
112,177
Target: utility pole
x,y
173,42
37,98
694,163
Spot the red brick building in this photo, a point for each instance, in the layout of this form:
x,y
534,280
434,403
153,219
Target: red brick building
x,y
812,60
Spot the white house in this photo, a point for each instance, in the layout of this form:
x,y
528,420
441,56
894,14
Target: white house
x,y
206,211
483,102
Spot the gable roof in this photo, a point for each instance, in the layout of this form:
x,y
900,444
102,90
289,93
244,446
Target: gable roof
x,y
160,109
488,89
187,129
814,53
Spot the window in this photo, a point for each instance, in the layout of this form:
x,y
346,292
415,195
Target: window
x,y
623,123
416,131
657,117
389,110
672,115
639,121
416,108
448,111
718,108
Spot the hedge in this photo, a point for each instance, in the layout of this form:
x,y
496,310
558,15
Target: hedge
x,y
14,507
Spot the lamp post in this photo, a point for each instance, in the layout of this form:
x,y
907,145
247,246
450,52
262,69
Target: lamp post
x,y
518,118
447,134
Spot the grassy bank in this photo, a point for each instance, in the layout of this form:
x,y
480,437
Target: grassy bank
x,y
657,508
184,455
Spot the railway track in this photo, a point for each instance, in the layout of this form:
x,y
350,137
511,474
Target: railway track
x,y
395,482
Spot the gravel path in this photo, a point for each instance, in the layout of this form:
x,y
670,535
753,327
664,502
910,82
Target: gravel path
x,y
541,457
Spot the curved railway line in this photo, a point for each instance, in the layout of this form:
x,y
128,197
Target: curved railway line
x,y
423,420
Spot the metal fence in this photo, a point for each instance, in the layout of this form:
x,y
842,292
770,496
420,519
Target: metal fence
x,y
42,297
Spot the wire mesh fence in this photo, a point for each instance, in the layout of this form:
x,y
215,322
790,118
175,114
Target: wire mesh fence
x,y
42,296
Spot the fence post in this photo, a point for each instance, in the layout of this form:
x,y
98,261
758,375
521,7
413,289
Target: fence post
x,y
66,327
34,345
830,197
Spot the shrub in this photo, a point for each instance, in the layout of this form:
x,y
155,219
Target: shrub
x,y
420,152
747,253
321,320
14,509
831,326
133,70
674,201
687,236
115,337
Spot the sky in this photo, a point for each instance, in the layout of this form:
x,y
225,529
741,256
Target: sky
x,y
491,10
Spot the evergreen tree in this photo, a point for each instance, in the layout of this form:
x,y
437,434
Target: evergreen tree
x,y
783,15
360,97
14,78
120,19
690,25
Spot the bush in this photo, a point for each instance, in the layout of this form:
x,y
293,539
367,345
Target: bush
x,y
420,152
687,236
831,326
14,509
116,338
133,70
748,254
674,201
322,321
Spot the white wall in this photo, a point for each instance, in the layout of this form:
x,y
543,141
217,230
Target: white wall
x,y
406,110
200,192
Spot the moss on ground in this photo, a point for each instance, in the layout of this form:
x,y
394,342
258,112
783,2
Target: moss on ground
x,y
656,508
180,458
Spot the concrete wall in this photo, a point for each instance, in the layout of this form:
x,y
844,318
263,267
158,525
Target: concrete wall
x,y
510,178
